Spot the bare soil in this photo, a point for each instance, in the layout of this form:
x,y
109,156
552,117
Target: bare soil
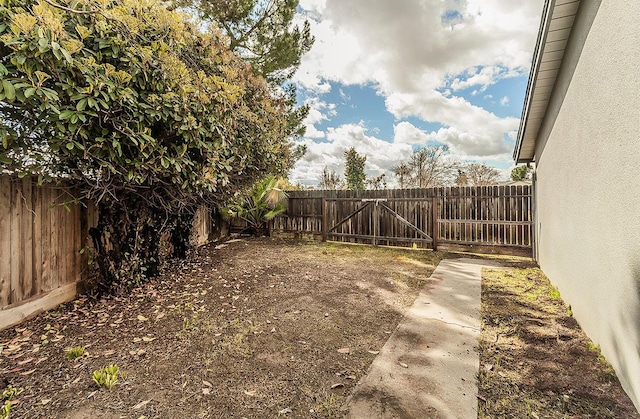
x,y
264,328
535,361
254,328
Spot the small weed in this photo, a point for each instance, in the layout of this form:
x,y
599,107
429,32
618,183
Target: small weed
x,y
188,323
554,293
326,405
593,347
75,352
106,377
7,395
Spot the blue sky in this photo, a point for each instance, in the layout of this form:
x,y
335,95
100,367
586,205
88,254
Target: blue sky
x,y
387,77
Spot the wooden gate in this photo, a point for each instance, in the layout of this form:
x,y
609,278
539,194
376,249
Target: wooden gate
x,y
495,216
389,221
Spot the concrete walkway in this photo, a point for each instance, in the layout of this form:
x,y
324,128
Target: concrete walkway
x,y
428,367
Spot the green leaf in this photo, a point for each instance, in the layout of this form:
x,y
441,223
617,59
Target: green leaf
x,y
67,56
29,92
9,90
65,114
82,104
70,145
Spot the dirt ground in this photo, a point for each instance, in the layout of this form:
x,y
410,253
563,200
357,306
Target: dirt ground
x,y
264,328
535,361
257,328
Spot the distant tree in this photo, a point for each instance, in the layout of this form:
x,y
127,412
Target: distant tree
x,y
354,175
261,31
330,180
403,175
285,184
431,167
462,179
479,174
377,183
520,173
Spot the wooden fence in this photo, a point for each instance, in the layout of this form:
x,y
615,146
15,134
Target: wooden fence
x,y
479,216
40,242
41,238
41,264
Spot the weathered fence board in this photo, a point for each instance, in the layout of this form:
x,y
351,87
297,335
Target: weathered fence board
x,y
487,216
40,243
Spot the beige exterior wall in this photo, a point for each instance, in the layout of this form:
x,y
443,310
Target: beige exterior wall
x,y
588,183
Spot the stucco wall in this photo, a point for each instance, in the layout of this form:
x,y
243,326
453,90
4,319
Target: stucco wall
x,y
588,184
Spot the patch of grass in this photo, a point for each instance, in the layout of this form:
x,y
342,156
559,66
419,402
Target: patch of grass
x,y
382,254
106,377
75,352
236,342
555,293
603,361
189,323
327,405
535,361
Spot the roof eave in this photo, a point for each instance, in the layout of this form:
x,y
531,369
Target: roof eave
x,y
537,58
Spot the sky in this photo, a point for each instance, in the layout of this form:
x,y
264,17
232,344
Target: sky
x,y
390,76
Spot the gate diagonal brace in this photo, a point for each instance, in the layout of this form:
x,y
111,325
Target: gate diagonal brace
x,y
404,221
345,219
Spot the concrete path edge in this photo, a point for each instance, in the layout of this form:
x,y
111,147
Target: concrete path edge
x,y
429,366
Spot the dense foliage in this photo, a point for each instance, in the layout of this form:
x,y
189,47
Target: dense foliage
x,y
520,173
262,202
147,113
130,97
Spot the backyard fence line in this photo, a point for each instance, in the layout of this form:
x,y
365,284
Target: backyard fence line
x,y
481,216
42,232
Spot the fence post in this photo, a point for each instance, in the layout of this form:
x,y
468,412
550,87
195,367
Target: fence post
x,y
434,222
324,219
375,223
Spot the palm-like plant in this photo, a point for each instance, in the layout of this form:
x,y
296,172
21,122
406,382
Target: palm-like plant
x,y
261,203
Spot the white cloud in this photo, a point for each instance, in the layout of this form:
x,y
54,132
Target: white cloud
x,y
318,111
420,55
395,43
406,133
381,155
504,101
484,78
